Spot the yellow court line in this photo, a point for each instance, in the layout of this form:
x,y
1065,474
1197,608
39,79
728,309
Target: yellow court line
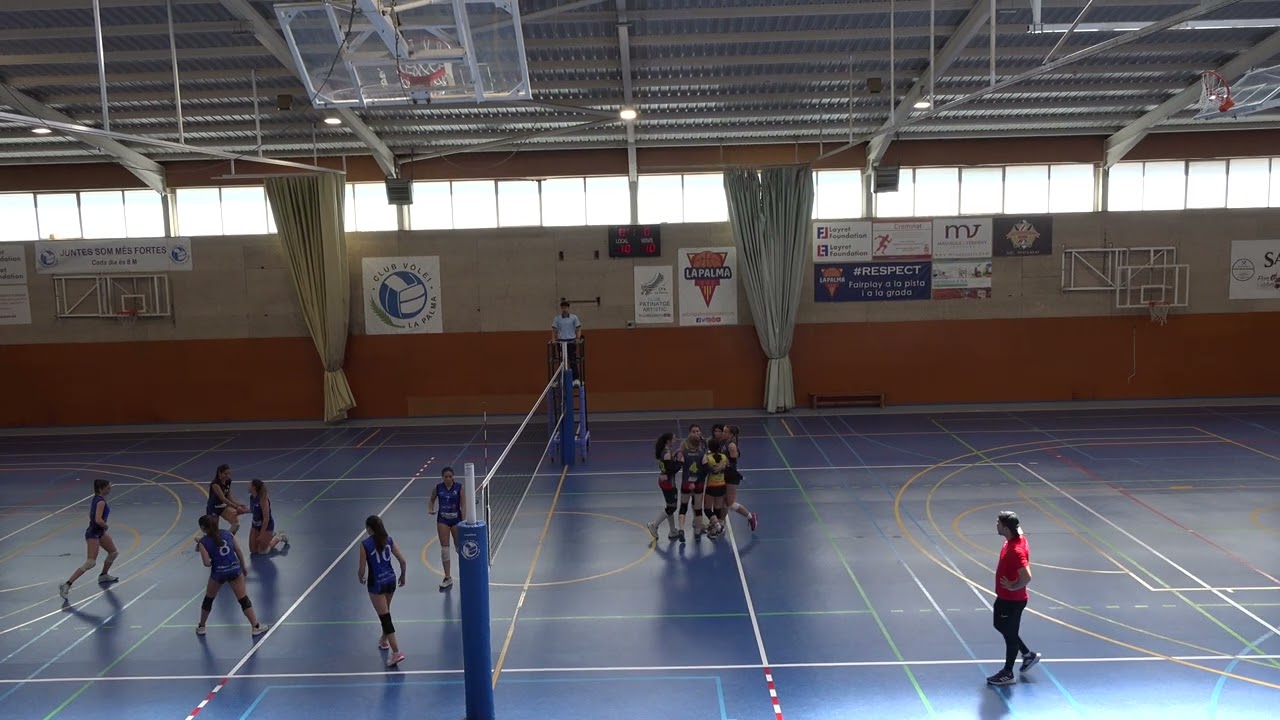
x,y
97,468
651,548
371,436
1255,517
788,427
1032,446
955,527
542,538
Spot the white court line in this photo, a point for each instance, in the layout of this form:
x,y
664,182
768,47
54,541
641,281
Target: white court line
x,y
46,517
809,468
636,669
746,593
1204,585
342,556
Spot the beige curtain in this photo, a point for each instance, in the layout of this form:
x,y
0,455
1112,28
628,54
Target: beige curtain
x,y
308,213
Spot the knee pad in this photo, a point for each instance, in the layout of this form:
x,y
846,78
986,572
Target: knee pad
x,y
235,527
387,627
735,507
444,554
245,603
111,556
684,508
671,509
88,565
207,605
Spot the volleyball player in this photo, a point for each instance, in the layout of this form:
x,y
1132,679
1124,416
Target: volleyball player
x,y
449,494
262,535
691,481
96,536
733,478
221,554
220,501
668,466
715,463
376,552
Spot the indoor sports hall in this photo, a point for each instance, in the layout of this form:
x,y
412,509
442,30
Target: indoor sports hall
x,y
639,359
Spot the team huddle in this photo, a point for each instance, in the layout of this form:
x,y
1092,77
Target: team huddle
x,y
709,479
221,552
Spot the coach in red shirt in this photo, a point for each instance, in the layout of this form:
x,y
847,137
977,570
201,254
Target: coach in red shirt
x,y
1013,575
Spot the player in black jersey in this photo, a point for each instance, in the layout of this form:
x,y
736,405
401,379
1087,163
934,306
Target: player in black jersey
x,y
733,478
668,466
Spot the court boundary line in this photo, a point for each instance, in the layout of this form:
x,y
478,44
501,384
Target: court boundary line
x,y
52,514
1206,586
642,668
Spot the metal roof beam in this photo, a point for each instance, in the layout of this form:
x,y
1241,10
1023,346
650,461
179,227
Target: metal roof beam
x,y
146,169
628,99
949,53
271,40
1119,144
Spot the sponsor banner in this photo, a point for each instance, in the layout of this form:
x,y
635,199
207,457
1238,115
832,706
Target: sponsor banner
x,y
962,279
902,240
402,295
655,302
1255,270
709,286
871,282
13,264
961,239
15,305
92,257
842,241
1020,235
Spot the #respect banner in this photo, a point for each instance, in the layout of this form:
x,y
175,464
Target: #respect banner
x,y
871,282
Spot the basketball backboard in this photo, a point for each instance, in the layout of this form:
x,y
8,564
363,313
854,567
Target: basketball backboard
x,y
372,53
1256,91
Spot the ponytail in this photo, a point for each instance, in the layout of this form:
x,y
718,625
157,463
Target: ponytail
x,y
259,487
379,531
659,448
209,524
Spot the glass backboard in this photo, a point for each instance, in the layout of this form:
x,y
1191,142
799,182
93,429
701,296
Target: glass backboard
x,y
1256,91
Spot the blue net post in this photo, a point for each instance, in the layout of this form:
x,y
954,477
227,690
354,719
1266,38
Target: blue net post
x,y
473,579
567,434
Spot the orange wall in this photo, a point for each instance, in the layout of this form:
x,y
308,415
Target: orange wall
x,y
1042,359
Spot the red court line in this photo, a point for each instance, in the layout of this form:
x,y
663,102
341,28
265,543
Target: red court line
x,y
206,699
1129,495
773,694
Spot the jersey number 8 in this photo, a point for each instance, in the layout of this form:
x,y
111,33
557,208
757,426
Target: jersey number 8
x,y
224,549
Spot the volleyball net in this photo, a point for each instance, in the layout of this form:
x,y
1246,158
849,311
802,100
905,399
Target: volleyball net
x,y
507,482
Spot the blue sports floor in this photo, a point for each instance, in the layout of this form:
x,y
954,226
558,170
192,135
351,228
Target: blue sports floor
x,y
865,592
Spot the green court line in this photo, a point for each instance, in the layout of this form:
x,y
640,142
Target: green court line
x,y
343,476
1036,490
826,531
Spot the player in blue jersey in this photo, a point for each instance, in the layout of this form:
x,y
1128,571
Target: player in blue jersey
x,y
263,537
221,554
376,552
668,466
733,478
96,536
220,501
449,495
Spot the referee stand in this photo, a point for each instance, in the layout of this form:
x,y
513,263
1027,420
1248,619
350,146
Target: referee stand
x,y
573,395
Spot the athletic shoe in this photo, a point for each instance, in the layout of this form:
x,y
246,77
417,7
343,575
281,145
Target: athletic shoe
x,y
383,644
653,530
105,578
1003,677
64,590
446,583
1029,661
395,659
260,628
675,535
754,521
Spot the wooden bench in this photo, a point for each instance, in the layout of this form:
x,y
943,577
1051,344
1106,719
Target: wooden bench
x,y
829,399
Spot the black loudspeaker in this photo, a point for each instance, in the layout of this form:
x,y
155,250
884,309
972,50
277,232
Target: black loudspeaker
x,y
400,191
885,179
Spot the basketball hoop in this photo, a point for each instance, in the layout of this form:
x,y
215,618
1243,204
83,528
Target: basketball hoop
x,y
1159,312
127,318
1215,93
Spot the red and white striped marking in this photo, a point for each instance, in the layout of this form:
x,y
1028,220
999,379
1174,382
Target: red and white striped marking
x,y
209,697
773,694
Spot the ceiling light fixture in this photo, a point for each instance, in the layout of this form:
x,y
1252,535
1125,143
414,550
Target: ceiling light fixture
x,y
923,104
41,130
628,113
333,120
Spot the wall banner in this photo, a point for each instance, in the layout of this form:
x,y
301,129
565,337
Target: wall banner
x,y
962,279
1255,270
961,238
1022,235
709,286
98,257
15,305
841,241
13,264
655,302
871,282
902,240
402,295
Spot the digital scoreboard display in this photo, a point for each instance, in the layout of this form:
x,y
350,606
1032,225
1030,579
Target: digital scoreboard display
x,y
627,241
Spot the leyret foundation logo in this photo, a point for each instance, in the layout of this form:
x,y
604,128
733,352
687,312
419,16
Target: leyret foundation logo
x,y
706,270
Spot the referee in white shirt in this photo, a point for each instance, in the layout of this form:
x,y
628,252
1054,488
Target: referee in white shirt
x,y
566,327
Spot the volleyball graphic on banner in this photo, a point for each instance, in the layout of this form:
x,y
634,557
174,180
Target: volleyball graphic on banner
x,y
402,295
